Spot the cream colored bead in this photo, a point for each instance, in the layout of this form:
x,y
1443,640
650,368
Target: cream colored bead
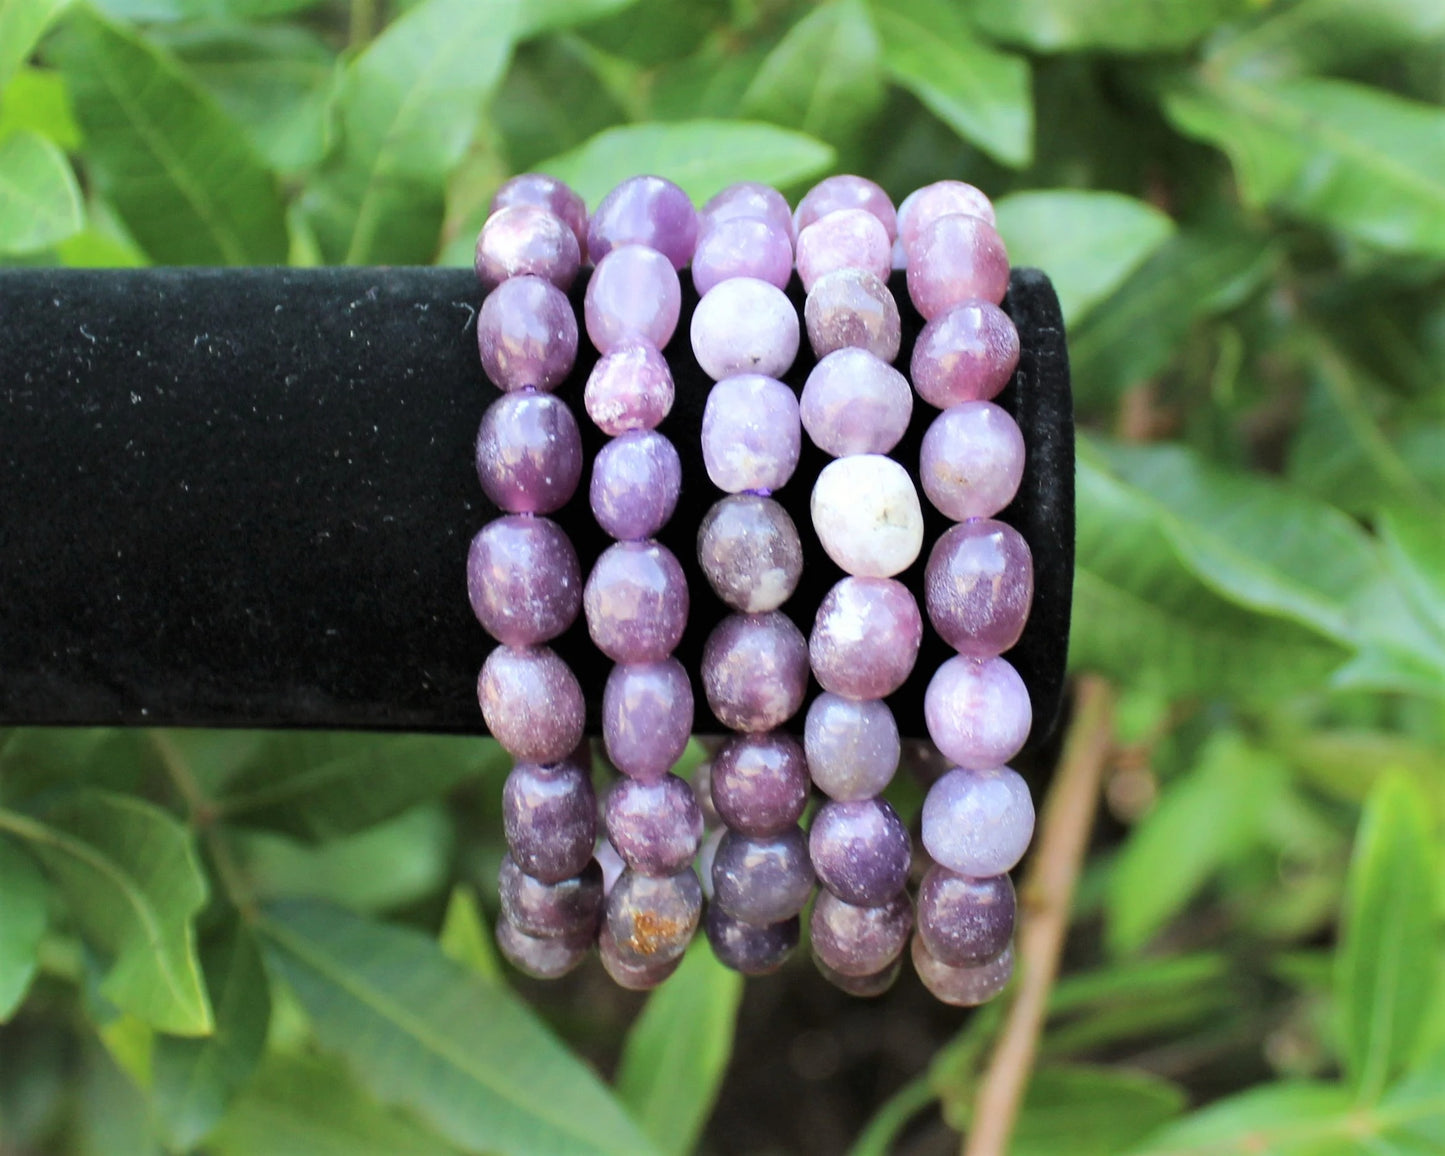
x,y
866,512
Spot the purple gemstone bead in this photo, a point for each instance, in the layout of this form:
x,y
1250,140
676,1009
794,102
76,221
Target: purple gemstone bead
x,y
755,671
636,479
633,297
652,917
760,783
750,552
547,193
525,241
656,827
971,460
962,986
854,403
762,880
751,433
852,746
867,515
524,580
629,389
845,239
747,948
862,986
924,206
744,325
978,713
858,941
551,910
861,851
978,586
636,602
549,815
531,703
526,334
846,192
529,453
541,958
978,823
646,718
865,638
628,974
957,258
966,353
965,922
742,247
649,211
750,199
852,309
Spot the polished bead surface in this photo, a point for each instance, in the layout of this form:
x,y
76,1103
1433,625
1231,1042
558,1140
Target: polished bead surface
x,y
852,746
760,783
852,309
962,986
636,602
978,586
629,973
860,850
747,948
966,353
541,958
744,325
633,297
529,453
750,552
924,206
972,460
526,334
655,826
551,910
547,193
843,239
647,713
978,823
649,211
846,192
861,986
549,815
524,580
526,241
964,921
630,388
762,880
858,941
867,515
531,703
978,712
652,917
865,637
636,479
956,258
750,199
741,247
755,671
751,433
855,403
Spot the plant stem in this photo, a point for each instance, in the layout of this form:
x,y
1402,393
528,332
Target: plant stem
x,y
362,25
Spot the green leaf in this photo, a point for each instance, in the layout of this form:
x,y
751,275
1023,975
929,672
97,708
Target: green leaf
x,y
703,156
422,1032
38,101
1385,964
22,24
1325,35
1091,1111
39,199
23,920
983,94
465,937
1087,242
551,100
111,1115
1113,25
676,1054
536,17
130,877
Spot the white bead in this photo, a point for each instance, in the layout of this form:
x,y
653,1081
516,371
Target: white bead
x,y
745,325
867,515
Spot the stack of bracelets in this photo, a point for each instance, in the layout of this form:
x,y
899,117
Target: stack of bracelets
x,y
525,584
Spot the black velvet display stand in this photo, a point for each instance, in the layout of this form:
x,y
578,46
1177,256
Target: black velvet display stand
x,y
244,498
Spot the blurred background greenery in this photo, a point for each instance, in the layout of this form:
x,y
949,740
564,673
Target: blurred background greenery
x,y
245,943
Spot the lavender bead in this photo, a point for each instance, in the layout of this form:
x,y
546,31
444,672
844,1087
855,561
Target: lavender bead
x,y
854,403
741,247
750,199
636,479
755,671
547,193
965,922
846,192
541,958
859,941
656,827
861,851
751,433
852,746
924,206
633,296
652,917
972,460
649,211
966,353
549,815
526,334
747,948
978,823
744,325
529,453
762,880
524,580
627,973
760,783
957,258
867,515
865,638
852,309
636,602
843,239
551,910
862,986
531,703
524,240
978,713
962,986
750,552
629,389
646,717
978,586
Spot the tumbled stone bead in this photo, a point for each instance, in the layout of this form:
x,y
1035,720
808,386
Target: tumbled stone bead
x,y
978,586
844,239
760,783
636,479
978,713
854,403
924,206
751,433
551,910
972,460
541,958
646,717
978,823
633,296
964,921
524,240
741,247
755,671
861,986
649,211
655,826
750,552
526,334
852,746
858,941
627,973
652,917
629,389
547,193
549,815
966,353
958,257
852,309
529,453
531,703
865,637
636,602
962,986
762,879
747,948
745,326
861,850
867,515
750,199
846,192
524,581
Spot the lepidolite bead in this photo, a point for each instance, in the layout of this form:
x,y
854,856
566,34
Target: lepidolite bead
x,y
541,958
747,948
524,240
633,296
978,823
524,580
861,986
636,602
865,637
628,973
760,783
867,516
852,309
649,211
750,199
655,826
762,880
978,713
963,921
855,403
852,746
744,325
755,671
956,258
846,192
978,586
529,453
652,917
861,850
971,460
857,941
547,193
750,552
531,703
646,717
751,432
741,247
551,910
965,353
549,815
924,206
629,389
635,483
844,239
962,986
526,334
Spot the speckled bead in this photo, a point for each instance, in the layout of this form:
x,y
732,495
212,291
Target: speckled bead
x,y
541,958
978,586
854,403
858,941
630,388
654,826
747,948
956,258
549,815
977,712
978,823
867,515
963,921
750,552
636,602
741,247
852,309
843,239
649,211
546,193
531,703
967,352
861,986
636,479
526,334
524,240
524,580
852,745
751,433
760,783
924,206
962,986
860,850
846,192
744,325
633,296
865,637
647,711
562,910
755,671
750,199
762,880
972,460
629,973
529,453
652,917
